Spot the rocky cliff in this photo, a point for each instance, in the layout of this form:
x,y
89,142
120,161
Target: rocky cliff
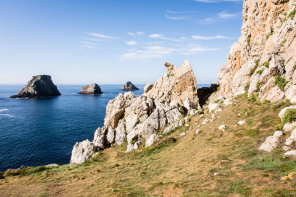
x,y
38,86
138,120
262,63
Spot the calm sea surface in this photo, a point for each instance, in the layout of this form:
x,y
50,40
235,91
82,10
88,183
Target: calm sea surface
x,y
43,131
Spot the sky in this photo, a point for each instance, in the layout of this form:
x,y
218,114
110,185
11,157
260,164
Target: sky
x,y
114,41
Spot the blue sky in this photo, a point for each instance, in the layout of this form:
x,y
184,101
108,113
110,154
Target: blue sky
x,y
113,41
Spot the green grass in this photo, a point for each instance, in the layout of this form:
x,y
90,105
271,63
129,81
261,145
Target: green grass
x,y
281,82
292,14
266,64
253,69
258,85
254,98
259,72
289,117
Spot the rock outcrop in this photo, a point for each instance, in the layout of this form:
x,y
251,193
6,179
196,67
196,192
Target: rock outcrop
x,y
129,86
136,120
263,61
91,89
38,86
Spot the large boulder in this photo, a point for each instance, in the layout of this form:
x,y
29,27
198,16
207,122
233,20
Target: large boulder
x,y
176,86
271,142
129,86
91,89
38,86
82,151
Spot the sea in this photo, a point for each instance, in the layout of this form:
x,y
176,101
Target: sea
x,y
43,131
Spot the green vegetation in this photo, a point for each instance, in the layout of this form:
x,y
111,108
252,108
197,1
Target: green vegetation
x,y
210,163
253,69
249,39
292,14
284,41
254,98
281,82
271,33
295,67
289,116
258,85
259,72
266,64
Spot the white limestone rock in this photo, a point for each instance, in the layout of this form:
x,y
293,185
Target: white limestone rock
x,y
82,151
271,142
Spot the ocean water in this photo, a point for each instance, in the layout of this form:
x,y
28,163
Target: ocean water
x,y
37,132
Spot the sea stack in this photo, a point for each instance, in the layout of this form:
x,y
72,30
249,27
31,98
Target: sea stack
x,y
129,86
91,89
38,86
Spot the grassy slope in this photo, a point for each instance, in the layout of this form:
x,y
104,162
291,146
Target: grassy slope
x,y
182,168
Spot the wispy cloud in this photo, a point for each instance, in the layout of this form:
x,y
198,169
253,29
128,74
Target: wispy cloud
x,y
102,36
131,43
135,34
158,51
225,15
197,37
162,37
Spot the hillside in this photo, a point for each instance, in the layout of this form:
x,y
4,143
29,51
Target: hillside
x,y
210,163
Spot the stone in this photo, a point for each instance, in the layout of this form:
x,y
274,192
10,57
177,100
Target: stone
x,y
129,86
291,153
205,121
38,86
265,49
116,108
289,126
271,142
82,151
151,140
110,136
182,134
148,87
173,115
178,84
131,121
91,89
53,165
197,131
100,140
292,139
222,128
120,134
241,122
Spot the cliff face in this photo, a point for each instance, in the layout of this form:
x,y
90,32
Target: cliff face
x,y
262,63
138,120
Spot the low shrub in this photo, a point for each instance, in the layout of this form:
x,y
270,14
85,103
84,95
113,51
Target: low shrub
x,y
281,82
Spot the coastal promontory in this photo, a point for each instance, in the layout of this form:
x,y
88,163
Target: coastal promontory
x,y
129,86
38,86
92,89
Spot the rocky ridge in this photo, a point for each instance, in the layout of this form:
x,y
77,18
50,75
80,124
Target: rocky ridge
x,y
262,63
38,86
91,89
138,120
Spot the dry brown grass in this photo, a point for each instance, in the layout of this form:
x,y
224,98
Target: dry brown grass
x,y
184,168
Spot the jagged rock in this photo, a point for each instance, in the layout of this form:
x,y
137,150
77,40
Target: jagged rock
x,y
265,49
148,87
116,108
289,126
241,122
100,140
173,115
292,139
291,153
151,140
205,92
38,86
222,128
271,142
82,151
120,134
91,89
176,86
110,136
129,86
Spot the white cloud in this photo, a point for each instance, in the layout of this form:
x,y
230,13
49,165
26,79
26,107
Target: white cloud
x,y
197,37
162,37
225,15
176,17
157,51
89,46
102,36
131,42
139,33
